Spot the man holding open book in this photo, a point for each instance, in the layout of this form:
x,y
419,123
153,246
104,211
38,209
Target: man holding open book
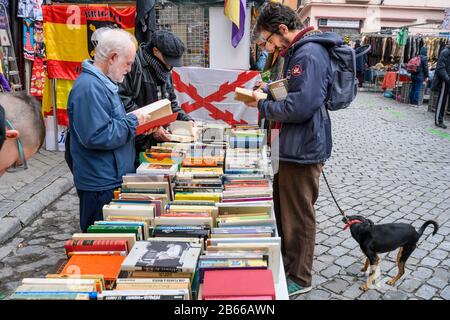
x,y
150,80
102,134
305,134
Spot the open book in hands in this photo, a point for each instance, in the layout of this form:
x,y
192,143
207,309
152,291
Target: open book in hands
x,y
246,95
156,114
279,89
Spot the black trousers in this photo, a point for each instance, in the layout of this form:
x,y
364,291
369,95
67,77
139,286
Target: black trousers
x,y
91,206
442,103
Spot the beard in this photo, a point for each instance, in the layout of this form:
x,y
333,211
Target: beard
x,y
114,75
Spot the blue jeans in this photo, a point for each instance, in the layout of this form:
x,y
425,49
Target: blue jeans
x,y
416,88
91,206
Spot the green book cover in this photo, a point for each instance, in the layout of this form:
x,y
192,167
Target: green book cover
x,y
151,191
116,229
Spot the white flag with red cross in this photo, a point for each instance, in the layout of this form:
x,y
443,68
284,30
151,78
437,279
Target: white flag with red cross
x,y
208,94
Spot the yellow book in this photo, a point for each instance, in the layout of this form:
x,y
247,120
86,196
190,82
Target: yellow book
x,y
203,196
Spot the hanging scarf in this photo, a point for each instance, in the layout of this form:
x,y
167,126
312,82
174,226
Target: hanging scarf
x,y
161,73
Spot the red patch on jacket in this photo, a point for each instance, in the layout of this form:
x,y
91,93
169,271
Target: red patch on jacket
x,y
297,70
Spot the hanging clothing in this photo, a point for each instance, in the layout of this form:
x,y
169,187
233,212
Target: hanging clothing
x,y
39,46
145,20
28,39
30,9
37,78
4,83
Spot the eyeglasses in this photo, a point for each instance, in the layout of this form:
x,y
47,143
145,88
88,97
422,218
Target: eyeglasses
x,y
18,165
267,39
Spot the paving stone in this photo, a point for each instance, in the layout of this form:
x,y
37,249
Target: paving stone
x,y
426,292
410,285
345,261
430,262
445,294
437,282
353,291
422,273
336,286
370,295
330,272
395,295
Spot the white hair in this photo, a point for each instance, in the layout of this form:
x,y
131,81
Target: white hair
x,y
111,40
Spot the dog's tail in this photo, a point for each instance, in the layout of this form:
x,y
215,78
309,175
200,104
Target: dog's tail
x,y
424,226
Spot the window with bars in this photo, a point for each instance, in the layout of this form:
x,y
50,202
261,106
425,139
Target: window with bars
x,y
190,23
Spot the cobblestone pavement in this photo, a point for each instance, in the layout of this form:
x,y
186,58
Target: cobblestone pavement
x,y
24,194
389,163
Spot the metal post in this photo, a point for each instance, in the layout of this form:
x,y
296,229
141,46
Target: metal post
x,y
398,74
55,118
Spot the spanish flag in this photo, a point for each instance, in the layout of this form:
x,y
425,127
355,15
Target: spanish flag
x,y
68,30
235,11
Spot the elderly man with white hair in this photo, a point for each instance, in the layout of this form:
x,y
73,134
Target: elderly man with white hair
x,y
101,133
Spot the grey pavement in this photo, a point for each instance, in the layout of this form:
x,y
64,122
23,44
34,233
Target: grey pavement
x,y
24,194
389,163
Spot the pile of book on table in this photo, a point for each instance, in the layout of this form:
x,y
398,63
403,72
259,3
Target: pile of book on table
x,y
195,222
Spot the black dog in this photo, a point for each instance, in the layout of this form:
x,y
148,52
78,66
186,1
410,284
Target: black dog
x,y
374,239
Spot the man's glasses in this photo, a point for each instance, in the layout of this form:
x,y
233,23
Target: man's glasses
x,y
267,39
19,164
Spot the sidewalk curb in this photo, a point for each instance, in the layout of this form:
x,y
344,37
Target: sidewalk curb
x,y
23,215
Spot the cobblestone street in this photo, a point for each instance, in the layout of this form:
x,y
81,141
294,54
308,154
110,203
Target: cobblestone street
x,y
389,163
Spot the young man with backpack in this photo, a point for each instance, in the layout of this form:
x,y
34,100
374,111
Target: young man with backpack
x,y
305,138
418,67
441,84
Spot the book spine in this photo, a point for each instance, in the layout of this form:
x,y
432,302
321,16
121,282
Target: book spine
x,y
160,269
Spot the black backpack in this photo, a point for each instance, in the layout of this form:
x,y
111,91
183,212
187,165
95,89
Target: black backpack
x,y
344,84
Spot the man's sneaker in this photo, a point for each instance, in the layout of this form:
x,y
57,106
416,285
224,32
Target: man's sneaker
x,y
441,125
294,288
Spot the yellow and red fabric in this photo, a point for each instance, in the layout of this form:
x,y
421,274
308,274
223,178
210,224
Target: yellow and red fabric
x,y
68,30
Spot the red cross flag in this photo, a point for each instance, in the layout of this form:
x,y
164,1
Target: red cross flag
x,y
208,94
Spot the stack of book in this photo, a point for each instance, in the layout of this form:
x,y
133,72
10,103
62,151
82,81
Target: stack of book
x,y
200,175
159,259
241,214
159,160
247,137
214,132
57,289
183,131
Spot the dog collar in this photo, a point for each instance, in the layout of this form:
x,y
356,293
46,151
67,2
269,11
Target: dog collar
x,y
350,223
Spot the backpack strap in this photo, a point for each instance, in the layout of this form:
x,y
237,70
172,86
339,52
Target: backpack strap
x,y
368,48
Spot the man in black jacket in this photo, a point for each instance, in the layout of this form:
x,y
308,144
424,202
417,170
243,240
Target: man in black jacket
x,y
150,80
441,83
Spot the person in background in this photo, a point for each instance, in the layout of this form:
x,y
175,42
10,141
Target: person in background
x,y
305,137
150,80
441,84
101,133
360,63
22,130
417,78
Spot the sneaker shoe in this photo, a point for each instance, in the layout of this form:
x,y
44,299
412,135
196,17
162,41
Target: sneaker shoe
x,y
294,288
441,125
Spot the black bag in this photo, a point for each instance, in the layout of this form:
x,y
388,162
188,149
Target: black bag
x,y
67,154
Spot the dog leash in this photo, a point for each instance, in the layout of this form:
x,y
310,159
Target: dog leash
x,y
332,195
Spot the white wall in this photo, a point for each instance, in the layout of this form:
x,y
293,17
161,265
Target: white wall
x,y
222,55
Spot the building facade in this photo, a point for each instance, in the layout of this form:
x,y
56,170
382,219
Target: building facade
x,y
353,17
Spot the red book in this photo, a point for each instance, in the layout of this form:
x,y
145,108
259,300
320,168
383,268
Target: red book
x,y
156,123
95,245
227,284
